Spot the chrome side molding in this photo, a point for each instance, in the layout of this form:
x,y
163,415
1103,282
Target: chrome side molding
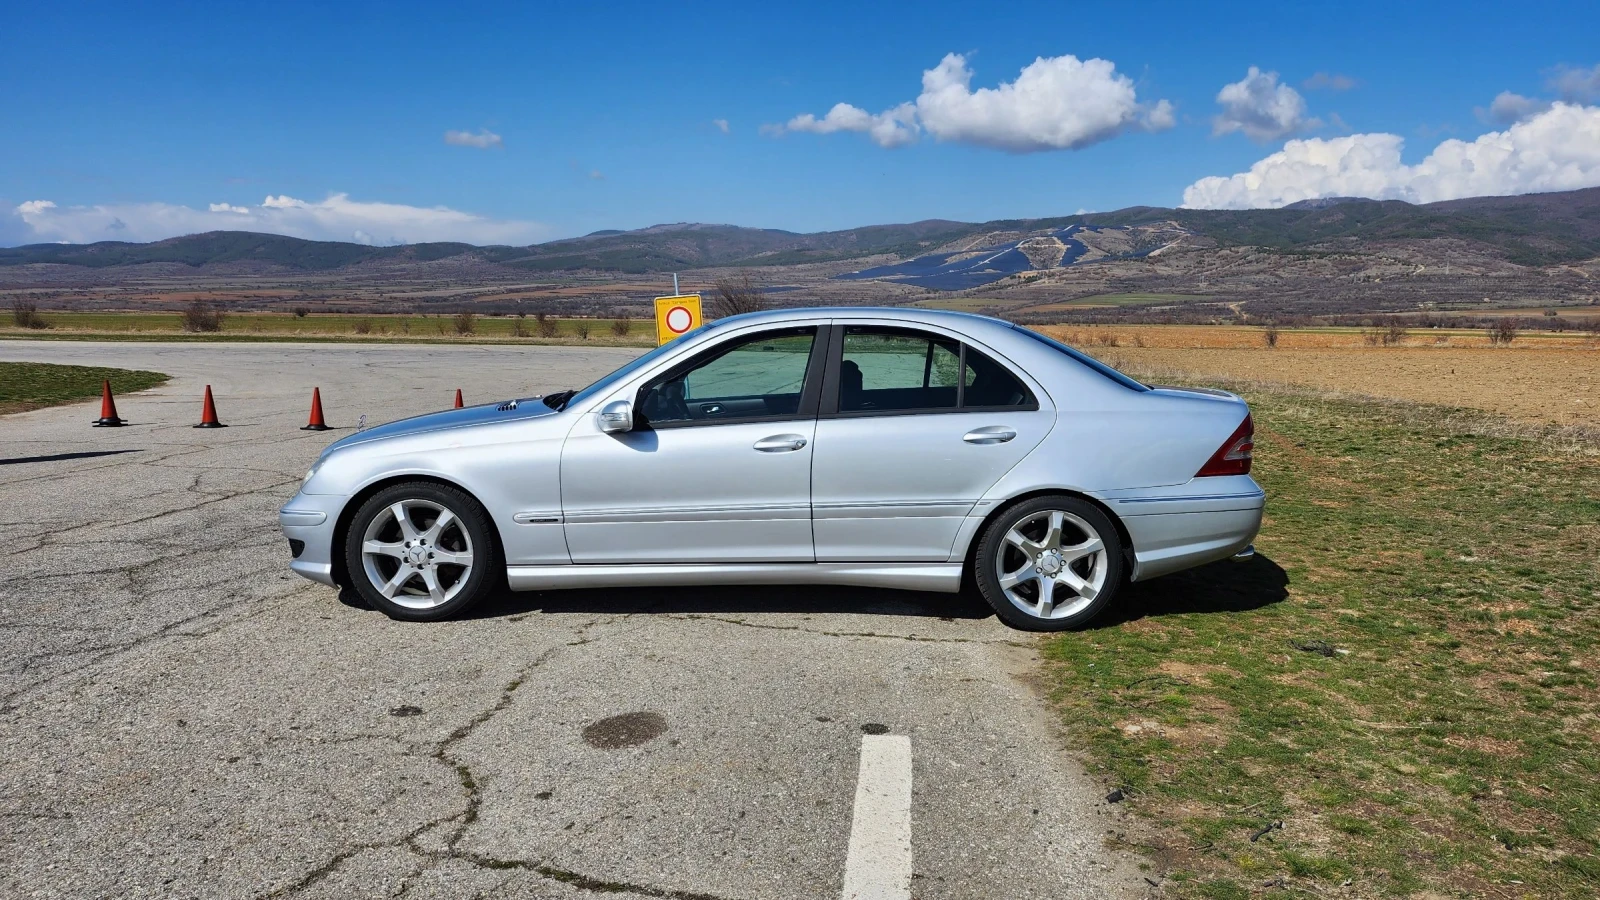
x,y
940,577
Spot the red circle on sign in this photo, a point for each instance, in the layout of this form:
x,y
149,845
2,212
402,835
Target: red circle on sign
x,y
679,320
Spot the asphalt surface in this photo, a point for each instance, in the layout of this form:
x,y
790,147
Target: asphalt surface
x,y
180,716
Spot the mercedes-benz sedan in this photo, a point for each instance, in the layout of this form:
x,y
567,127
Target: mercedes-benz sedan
x,y
879,447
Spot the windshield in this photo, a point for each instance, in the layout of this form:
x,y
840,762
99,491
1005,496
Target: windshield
x,y
622,373
1084,358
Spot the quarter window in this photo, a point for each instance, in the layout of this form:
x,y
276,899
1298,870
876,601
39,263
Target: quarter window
x,y
760,377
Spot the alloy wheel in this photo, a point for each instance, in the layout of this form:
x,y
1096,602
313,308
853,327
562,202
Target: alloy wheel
x,y
1052,564
417,553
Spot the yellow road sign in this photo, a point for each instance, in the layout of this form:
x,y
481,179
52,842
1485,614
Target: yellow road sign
x,y
676,316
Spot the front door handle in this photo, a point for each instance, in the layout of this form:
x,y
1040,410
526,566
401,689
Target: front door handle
x,y
992,434
779,443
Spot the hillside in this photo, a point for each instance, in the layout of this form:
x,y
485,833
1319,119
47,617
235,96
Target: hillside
x,y
1531,230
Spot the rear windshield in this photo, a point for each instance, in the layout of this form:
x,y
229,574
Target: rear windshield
x,y
1084,358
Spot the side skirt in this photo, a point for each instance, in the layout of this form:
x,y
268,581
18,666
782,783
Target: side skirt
x,y
940,577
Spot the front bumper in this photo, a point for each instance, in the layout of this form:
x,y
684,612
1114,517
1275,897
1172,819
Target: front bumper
x,y
310,519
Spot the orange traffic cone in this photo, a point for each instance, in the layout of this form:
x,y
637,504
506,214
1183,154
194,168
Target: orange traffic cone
x,y
208,416
108,408
316,423
458,398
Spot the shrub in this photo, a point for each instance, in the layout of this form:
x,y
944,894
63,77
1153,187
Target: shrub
x,y
735,296
1394,334
1270,335
517,328
582,327
545,325
621,325
466,322
25,313
362,326
1371,336
300,312
1503,332
200,316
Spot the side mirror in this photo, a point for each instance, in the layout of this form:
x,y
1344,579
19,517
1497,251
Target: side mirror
x,y
616,417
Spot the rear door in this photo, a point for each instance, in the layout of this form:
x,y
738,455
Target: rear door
x,y
914,427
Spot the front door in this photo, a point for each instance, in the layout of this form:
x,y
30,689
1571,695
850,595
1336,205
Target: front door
x,y
915,427
717,468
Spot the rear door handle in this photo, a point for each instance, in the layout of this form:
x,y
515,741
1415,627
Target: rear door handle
x,y
779,443
992,434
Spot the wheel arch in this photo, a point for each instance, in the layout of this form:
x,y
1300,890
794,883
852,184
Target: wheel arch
x,y
968,560
340,573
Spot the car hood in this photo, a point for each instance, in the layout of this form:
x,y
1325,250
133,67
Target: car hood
x,y
466,417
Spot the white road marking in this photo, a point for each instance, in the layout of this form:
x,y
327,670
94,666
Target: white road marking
x,y
878,866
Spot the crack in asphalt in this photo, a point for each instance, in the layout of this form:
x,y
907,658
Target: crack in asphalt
x,y
463,820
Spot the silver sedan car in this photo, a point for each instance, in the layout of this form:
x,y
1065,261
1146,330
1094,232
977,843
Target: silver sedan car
x,y
889,448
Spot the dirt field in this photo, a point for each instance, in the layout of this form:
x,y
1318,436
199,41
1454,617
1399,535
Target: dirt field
x,y
1561,386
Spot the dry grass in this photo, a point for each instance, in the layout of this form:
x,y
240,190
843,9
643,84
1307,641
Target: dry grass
x,y
1558,384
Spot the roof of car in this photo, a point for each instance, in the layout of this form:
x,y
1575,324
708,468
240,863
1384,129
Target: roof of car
x,y
947,318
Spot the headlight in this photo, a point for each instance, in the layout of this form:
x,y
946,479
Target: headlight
x,y
310,472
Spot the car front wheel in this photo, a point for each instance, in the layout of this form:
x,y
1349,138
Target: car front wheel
x,y
422,551
1049,563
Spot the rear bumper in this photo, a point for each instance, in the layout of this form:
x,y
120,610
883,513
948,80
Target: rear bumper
x,y
310,519
1180,528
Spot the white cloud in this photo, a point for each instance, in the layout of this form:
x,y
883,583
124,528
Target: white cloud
x,y
483,140
891,128
1507,108
722,125
1576,85
1329,81
1056,103
1556,150
1261,108
336,218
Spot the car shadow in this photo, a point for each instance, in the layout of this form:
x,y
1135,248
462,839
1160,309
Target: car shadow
x,y
1218,587
733,599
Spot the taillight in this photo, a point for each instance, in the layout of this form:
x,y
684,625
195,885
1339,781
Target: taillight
x,y
1233,457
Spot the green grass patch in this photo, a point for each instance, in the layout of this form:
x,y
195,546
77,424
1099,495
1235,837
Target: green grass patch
x,y
26,386
1451,746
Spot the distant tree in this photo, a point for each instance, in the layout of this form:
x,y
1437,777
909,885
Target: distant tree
x,y
1270,335
545,325
736,295
466,322
200,316
582,328
621,325
1395,333
1503,332
300,312
518,329
25,313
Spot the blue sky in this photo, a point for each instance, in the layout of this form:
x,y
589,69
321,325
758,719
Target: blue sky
x,y
606,114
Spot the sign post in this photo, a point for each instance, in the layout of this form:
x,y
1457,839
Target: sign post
x,y
676,315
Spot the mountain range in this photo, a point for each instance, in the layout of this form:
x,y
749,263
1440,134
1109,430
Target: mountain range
x,y
1528,230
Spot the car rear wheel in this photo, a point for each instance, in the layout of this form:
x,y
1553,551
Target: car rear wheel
x,y
422,551
1049,563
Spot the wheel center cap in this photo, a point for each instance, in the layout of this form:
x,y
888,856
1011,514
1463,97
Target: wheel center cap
x,y
417,555
1050,562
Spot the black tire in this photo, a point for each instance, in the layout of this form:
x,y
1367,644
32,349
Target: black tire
x,y
1102,571
469,530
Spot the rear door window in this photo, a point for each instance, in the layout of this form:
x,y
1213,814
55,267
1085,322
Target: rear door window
x,y
892,370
